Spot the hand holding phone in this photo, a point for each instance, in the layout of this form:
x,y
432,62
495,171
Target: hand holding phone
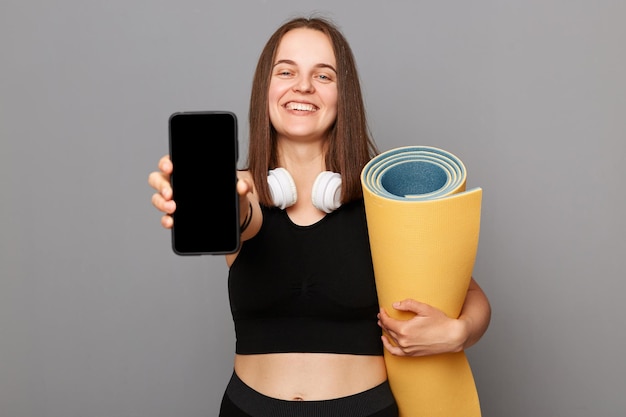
x,y
203,150
162,198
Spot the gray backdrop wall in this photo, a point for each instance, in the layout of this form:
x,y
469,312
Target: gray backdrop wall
x,y
99,319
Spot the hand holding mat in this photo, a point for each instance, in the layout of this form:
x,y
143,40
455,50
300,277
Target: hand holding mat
x,y
424,229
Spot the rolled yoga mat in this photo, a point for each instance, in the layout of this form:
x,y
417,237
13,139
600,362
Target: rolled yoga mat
x,y
423,229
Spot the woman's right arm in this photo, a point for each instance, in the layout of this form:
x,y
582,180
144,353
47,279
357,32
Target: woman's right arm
x,y
249,207
249,210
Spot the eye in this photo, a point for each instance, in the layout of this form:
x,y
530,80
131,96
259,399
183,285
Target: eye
x,y
326,78
284,73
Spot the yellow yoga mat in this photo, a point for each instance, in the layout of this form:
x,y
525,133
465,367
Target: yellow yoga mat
x,y
423,229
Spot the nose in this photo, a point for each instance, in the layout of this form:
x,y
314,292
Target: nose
x,y
303,84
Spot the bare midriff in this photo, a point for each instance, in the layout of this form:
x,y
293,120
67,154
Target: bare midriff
x,y
310,376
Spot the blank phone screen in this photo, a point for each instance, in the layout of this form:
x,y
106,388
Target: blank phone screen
x,y
203,149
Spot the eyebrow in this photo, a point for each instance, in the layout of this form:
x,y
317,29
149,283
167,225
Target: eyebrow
x,y
321,65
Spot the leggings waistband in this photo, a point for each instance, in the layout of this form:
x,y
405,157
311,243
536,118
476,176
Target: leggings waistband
x,y
364,404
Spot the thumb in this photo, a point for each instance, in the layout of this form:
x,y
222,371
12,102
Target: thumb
x,y
243,187
411,305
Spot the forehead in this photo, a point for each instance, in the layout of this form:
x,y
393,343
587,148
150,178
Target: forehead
x,y
304,46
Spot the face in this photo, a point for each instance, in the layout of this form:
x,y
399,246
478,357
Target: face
x,y
303,87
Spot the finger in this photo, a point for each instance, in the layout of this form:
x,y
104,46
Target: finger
x,y
165,165
155,180
392,330
387,322
410,305
394,350
161,184
166,191
167,221
161,204
243,187
393,336
382,317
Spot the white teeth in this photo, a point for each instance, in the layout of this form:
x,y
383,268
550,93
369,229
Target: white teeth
x,y
300,106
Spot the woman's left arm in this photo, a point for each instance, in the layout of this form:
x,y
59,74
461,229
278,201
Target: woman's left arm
x,y
431,332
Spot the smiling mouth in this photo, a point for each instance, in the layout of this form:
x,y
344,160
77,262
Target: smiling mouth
x,y
304,107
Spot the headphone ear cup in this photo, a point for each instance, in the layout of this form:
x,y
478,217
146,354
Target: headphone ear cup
x,y
327,191
282,188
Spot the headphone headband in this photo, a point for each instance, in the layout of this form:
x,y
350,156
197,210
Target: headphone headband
x,y
326,193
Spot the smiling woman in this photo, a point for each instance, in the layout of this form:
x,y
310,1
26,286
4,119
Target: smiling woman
x,y
302,289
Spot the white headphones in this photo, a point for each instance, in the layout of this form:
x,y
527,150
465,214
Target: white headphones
x,y
326,194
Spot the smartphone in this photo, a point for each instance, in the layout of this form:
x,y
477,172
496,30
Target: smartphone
x,y
204,153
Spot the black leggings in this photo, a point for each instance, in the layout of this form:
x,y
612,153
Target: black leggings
x,y
242,401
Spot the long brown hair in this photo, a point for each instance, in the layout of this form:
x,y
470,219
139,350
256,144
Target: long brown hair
x,y
350,146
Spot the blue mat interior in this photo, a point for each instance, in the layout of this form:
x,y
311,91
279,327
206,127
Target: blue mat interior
x,y
413,178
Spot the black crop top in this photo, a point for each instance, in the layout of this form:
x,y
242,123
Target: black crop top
x,y
306,288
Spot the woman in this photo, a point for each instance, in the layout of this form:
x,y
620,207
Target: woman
x,y
302,287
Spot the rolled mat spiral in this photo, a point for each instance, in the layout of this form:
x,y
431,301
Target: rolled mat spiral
x,y
424,229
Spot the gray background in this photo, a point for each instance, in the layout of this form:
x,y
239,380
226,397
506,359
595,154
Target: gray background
x,y
99,319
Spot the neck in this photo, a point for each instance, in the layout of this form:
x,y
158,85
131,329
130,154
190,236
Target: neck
x,y
302,158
